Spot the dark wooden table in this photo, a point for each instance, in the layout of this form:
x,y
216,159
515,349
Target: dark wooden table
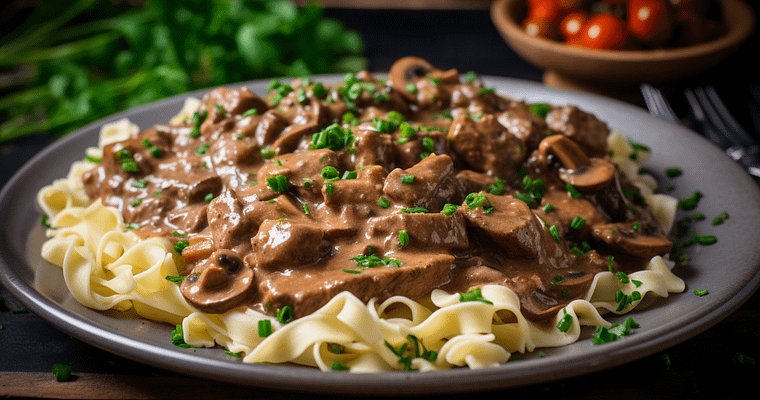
x,y
462,39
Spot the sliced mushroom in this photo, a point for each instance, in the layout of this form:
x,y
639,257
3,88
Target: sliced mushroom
x,y
642,242
584,173
223,283
405,71
593,176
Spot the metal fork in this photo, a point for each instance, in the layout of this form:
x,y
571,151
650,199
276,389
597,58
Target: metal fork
x,y
656,103
713,119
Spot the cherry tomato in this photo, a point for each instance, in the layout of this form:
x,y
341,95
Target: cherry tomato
x,y
540,27
650,21
546,9
572,25
604,31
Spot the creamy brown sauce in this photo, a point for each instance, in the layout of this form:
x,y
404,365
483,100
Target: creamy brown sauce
x,y
272,220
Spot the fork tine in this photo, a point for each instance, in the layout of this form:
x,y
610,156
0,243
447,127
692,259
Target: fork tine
x,y
656,103
718,115
727,117
700,118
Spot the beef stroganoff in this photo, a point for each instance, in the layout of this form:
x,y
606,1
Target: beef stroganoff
x,y
417,222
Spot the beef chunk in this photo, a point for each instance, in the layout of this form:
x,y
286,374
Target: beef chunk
x,y
282,245
584,128
414,278
486,145
427,184
427,231
508,222
523,124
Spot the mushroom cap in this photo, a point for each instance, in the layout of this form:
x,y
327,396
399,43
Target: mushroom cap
x,y
406,70
222,284
584,173
597,175
622,237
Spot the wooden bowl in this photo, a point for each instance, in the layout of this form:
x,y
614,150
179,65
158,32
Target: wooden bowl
x,y
568,65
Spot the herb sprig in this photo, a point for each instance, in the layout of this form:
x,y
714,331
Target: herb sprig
x,y
81,61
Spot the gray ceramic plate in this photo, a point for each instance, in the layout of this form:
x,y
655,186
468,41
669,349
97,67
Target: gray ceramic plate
x,y
728,269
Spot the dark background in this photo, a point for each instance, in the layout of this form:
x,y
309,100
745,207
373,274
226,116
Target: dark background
x,y
466,40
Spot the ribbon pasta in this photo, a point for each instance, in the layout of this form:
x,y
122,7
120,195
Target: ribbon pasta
x,y
106,266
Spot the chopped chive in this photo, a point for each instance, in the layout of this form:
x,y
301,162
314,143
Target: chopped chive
x,y
673,172
428,144
449,209
351,271
483,91
338,365
407,179
539,109
372,261
497,187
470,77
250,112
383,202
473,295
566,322
613,333
175,278
264,327
349,175
704,240
178,337
574,193
181,245
403,238
140,184
319,91
577,223
62,372
285,314
202,149
266,153
691,202
553,230
330,172
415,210
278,183
719,219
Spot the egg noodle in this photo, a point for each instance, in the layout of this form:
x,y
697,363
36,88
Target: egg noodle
x,y
106,266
